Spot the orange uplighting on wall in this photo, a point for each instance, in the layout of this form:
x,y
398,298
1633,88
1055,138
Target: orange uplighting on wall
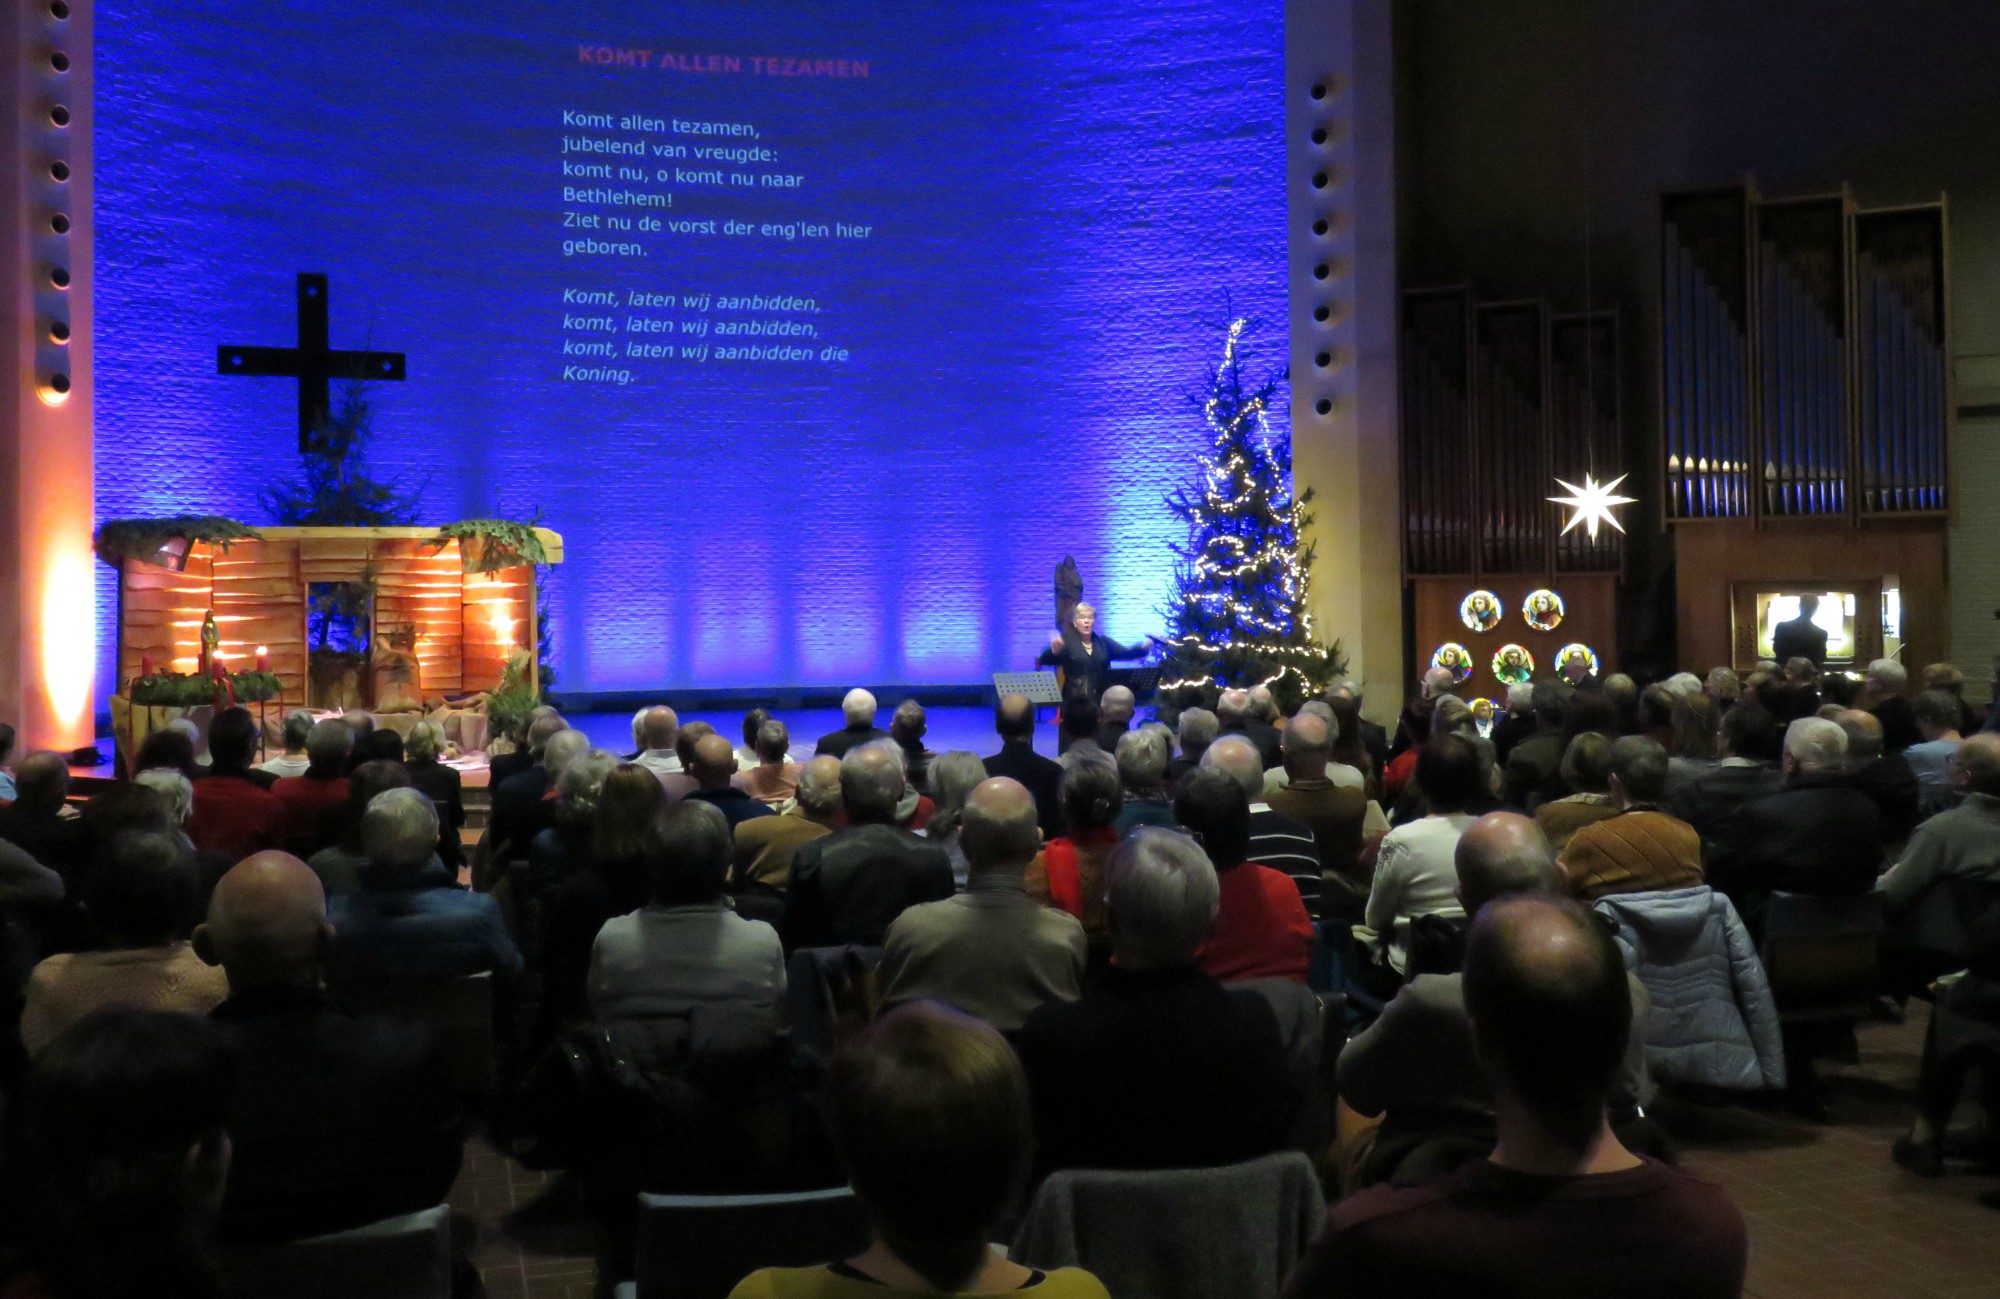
x,y
68,630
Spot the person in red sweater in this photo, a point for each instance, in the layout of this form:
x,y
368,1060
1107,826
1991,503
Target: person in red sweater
x,y
1262,930
324,784
233,815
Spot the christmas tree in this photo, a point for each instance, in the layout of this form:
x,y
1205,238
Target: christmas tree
x,y
1238,616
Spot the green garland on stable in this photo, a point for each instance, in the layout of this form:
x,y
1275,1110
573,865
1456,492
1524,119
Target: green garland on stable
x,y
123,539
193,690
503,544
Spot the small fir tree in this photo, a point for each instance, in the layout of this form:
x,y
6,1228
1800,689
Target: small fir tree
x,y
1238,616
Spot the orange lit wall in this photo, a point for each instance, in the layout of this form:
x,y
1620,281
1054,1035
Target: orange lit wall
x,y
47,636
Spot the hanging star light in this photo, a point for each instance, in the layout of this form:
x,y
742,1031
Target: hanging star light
x,y
1592,504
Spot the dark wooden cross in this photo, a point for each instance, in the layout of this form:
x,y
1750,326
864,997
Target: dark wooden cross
x,y
312,362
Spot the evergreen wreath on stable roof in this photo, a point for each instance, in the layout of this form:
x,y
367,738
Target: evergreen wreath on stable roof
x,y
1238,616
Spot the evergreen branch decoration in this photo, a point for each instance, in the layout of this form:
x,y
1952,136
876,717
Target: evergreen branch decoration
x,y
195,690
1239,615
141,539
513,698
502,544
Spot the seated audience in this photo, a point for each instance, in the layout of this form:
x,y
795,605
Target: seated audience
x,y
1947,876
1014,720
1196,730
686,948
1198,1070
378,745
1345,698
1586,768
443,786
235,815
1621,693
1642,849
173,745
1115,709
340,863
363,726
1816,835
1886,779
1722,688
1068,874
953,778
1937,714
1261,929
906,727
773,779
766,845
1517,721
1656,715
37,821
847,886
561,850
142,896
1949,678
1414,874
1694,723
1534,765
323,785
858,708
1078,734
1343,773
1237,713
746,752
1749,746
1283,843
714,772
409,921
293,761
520,753
526,805
114,1159
335,1122
1882,693
990,950
659,739
609,881
1560,1207
928,1112
1141,760
1416,1064
679,784
1332,814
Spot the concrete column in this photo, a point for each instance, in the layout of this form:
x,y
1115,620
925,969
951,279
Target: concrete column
x,y
47,633
1339,80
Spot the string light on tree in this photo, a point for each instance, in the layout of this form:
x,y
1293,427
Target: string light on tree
x,y
1238,615
1592,504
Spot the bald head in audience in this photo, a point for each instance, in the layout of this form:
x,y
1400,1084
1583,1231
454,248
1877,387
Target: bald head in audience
x,y
819,790
1014,718
714,761
871,784
1116,706
266,924
997,830
1864,734
1975,765
1551,1009
659,729
1502,854
1307,744
1237,758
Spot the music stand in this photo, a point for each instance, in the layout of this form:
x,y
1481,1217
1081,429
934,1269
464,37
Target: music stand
x,y
1143,682
1038,687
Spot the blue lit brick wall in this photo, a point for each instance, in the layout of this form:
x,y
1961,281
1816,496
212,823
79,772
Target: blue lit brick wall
x,y
1063,194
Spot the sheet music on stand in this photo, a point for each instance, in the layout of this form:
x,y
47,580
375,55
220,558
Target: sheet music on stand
x,y
1038,687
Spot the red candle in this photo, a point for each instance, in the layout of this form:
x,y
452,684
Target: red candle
x,y
263,658
145,665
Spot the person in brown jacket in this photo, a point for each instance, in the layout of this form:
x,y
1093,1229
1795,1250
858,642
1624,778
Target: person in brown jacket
x,y
1335,813
1586,768
1642,849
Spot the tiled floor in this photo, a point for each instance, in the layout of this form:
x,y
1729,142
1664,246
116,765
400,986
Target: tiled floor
x,y
1830,1216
